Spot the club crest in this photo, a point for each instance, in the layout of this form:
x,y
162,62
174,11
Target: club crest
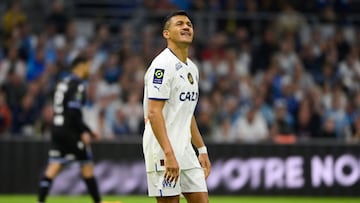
x,y
190,78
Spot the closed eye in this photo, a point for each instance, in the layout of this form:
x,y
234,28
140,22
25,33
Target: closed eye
x,y
180,23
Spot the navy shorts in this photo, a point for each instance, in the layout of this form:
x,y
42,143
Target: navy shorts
x,y
67,147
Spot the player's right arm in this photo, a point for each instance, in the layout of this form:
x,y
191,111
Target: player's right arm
x,y
158,88
157,122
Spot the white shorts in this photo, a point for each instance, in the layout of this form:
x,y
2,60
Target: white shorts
x,y
190,180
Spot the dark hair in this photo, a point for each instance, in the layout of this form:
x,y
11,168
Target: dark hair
x,y
175,13
78,60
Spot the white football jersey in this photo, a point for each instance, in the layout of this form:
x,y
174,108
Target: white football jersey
x,y
176,82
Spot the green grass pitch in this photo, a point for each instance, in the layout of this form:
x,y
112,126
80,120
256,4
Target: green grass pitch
x,y
213,199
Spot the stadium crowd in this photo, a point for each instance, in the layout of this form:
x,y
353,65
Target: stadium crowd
x,y
286,76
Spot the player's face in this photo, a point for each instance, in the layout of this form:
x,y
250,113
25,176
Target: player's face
x,y
82,70
180,30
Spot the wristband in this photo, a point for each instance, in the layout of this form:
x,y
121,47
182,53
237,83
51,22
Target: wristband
x,y
202,150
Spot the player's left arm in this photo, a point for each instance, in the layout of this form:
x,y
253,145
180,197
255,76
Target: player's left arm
x,y
197,140
75,104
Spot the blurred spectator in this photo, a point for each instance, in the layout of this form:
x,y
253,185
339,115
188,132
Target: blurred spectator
x,y
265,50
302,79
259,102
251,22
317,42
24,117
198,5
57,18
27,113
45,121
327,95
102,105
328,15
133,111
150,46
282,130
270,79
46,43
2,54
165,5
307,121
321,4
287,94
349,70
328,75
204,123
204,116
251,127
133,76
230,108
23,39
111,69
328,130
96,55
289,21
120,124
36,65
355,107
101,97
181,4
287,56
60,67
215,49
243,60
74,43
356,131
12,64
103,37
104,128
124,42
5,116
310,60
216,99
337,114
229,24
15,89
223,132
246,89
13,17
315,96
96,119
342,44
215,5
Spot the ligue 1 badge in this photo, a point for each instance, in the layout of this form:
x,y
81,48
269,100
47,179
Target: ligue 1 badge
x,y
190,78
158,76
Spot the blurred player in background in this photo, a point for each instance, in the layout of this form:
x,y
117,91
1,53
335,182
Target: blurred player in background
x,y
71,137
170,96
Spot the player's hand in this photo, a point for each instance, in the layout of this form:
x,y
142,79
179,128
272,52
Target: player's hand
x,y
171,168
205,164
86,138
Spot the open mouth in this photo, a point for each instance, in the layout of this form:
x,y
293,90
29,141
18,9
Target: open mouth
x,y
185,33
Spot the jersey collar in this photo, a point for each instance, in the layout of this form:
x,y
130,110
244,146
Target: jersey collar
x,y
176,56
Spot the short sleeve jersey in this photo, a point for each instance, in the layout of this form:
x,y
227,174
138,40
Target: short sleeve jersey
x,y
69,97
171,80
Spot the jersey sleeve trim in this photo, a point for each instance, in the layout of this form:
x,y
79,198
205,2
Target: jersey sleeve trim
x,y
159,99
